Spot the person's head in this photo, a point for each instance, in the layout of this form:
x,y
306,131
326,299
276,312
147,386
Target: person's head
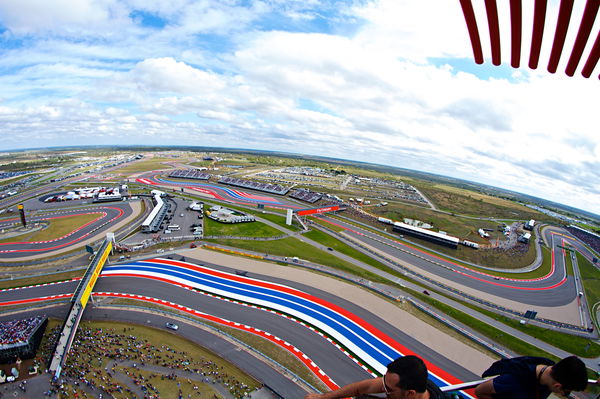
x,y
406,377
568,375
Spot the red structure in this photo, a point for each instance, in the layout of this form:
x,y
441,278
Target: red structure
x,y
312,211
563,24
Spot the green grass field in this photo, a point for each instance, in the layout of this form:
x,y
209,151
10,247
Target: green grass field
x,y
34,280
590,277
340,246
280,220
146,165
467,202
57,228
291,247
252,229
464,228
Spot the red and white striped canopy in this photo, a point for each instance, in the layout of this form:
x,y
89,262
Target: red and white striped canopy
x,y
566,20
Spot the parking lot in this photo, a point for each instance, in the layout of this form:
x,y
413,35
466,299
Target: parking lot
x,y
180,222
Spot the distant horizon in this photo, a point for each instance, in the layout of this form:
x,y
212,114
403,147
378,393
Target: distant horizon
x,y
319,158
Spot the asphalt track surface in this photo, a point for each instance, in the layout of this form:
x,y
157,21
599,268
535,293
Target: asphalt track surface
x,y
554,289
329,358
106,214
236,195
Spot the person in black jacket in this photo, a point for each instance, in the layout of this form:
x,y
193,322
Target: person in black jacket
x,y
531,377
406,377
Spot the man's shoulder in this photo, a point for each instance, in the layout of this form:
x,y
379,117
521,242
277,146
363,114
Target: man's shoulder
x,y
435,392
520,366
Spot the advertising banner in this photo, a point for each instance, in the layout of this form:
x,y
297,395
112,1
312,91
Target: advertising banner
x,y
312,211
90,286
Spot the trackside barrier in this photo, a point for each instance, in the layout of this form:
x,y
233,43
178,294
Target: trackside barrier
x,y
273,238
233,252
79,301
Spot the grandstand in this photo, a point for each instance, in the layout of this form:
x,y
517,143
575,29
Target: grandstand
x,y
425,234
591,239
193,174
254,185
306,195
21,338
152,223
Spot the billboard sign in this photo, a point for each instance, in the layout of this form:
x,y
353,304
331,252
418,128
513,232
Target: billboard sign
x,y
312,211
90,285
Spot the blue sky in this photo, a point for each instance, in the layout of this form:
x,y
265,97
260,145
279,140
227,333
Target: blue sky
x,y
384,81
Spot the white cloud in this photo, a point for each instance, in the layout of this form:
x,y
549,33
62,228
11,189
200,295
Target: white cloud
x,y
414,30
169,75
61,16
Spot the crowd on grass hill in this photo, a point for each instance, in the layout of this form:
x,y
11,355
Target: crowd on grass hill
x,y
98,354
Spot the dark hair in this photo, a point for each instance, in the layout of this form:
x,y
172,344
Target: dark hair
x,y
571,373
412,372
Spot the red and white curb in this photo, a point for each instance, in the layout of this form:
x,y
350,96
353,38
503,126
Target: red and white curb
x,y
40,285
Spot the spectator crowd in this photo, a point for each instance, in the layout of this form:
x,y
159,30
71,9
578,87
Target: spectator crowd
x,y
591,240
17,331
105,362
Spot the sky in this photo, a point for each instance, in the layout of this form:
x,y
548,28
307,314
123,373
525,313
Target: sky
x,y
391,82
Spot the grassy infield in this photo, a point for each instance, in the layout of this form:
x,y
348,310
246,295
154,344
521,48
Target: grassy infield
x,y
57,228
